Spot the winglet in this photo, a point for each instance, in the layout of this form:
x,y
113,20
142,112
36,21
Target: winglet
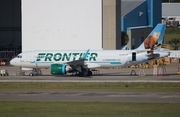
x,y
86,54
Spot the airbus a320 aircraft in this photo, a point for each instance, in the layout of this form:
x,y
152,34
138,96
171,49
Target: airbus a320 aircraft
x,y
82,62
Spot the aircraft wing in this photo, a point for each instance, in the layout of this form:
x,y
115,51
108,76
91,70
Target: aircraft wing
x,y
76,62
80,61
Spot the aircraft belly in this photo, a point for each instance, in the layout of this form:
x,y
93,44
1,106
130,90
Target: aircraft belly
x,y
34,65
108,63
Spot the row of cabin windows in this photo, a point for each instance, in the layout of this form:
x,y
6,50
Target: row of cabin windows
x,y
19,56
98,56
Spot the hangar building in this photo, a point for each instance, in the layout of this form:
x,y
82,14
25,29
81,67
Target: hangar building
x,y
170,9
60,24
70,24
138,18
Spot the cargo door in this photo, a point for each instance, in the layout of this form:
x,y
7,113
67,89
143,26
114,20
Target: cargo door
x,y
134,56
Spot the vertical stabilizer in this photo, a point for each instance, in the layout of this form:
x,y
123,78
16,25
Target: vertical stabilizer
x,y
154,39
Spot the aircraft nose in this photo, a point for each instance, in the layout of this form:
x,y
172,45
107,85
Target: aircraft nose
x,y
12,62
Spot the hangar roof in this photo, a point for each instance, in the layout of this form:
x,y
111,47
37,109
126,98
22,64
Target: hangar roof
x,y
129,5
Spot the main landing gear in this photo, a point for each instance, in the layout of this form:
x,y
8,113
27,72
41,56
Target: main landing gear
x,y
82,73
85,72
35,72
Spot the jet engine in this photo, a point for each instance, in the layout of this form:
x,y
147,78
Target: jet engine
x,y
60,69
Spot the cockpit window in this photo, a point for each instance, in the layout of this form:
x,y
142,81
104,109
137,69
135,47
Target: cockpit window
x,y
19,56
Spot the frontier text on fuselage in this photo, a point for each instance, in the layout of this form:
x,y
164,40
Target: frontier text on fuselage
x,y
65,56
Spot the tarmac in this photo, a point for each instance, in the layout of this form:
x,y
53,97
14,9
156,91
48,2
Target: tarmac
x,y
90,96
103,75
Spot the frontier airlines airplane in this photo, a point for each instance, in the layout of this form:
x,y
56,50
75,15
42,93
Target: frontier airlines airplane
x,y
81,63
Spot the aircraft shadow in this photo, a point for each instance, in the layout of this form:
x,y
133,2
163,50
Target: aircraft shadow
x,y
107,74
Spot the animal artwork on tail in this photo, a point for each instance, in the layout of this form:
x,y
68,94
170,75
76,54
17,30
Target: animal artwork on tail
x,y
151,41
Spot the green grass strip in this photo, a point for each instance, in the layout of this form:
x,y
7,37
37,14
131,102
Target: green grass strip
x,y
88,109
172,31
129,86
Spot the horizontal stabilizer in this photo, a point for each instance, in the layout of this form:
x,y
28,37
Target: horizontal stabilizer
x,y
153,56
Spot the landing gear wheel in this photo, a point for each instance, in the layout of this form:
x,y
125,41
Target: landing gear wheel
x,y
31,74
35,72
89,73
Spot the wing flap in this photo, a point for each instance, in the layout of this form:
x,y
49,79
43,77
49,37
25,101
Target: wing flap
x,y
93,65
76,62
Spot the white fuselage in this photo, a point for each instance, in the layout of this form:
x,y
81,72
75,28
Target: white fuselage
x,y
43,59
100,58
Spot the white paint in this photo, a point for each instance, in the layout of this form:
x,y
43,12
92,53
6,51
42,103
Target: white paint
x,y
61,25
174,54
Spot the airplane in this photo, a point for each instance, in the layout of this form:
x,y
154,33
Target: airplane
x,y
61,62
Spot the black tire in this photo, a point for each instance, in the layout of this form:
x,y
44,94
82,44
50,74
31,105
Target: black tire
x,y
89,73
31,74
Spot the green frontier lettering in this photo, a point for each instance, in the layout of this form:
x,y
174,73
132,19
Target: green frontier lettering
x,y
57,56
93,57
81,55
87,56
65,56
48,56
75,55
40,55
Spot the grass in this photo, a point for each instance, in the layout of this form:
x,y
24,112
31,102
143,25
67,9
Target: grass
x,y
118,86
171,33
168,37
88,109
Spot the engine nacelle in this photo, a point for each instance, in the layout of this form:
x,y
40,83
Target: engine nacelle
x,y
59,69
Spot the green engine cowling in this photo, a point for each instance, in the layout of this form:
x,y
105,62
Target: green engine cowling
x,y
58,69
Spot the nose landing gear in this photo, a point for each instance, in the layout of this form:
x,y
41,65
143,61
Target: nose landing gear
x,y
35,72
